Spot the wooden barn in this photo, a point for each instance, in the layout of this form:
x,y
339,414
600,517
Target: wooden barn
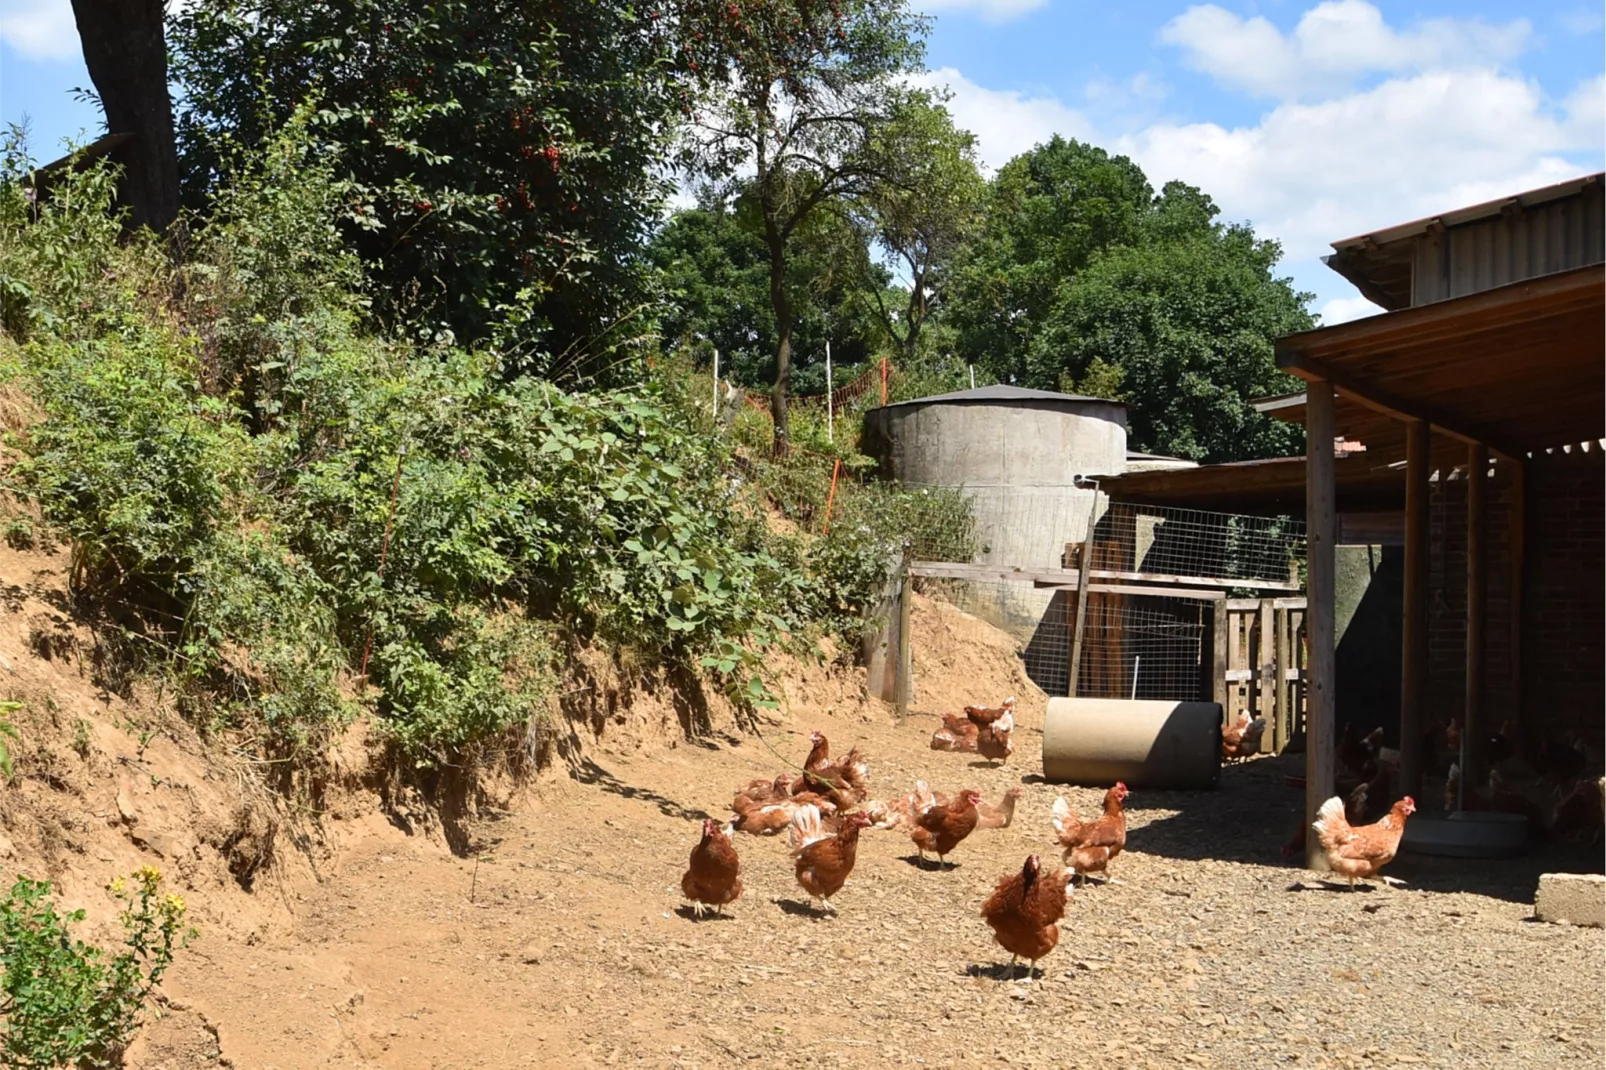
x,y
1464,428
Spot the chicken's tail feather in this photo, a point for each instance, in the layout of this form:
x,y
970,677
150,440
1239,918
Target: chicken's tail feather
x,y
1330,825
805,828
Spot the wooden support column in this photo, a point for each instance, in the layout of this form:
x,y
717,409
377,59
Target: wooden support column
x,y
1284,709
1320,535
1472,728
1414,616
1268,669
1516,540
1218,658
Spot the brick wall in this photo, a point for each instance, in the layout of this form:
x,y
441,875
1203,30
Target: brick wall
x,y
1564,613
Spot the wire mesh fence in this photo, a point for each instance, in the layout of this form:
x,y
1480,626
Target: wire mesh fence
x,y
1022,578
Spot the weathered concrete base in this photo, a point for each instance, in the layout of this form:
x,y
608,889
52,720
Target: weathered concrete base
x,y
1572,898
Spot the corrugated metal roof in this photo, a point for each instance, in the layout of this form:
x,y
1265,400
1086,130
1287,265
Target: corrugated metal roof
x,y
1002,393
1470,214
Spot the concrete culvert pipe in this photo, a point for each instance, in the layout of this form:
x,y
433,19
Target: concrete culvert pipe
x,y
1146,743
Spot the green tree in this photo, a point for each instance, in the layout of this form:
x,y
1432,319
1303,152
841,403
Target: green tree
x,y
1182,325
511,152
715,271
796,92
1048,212
921,211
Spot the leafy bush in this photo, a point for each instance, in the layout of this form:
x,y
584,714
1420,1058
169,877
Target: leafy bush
x,y
69,1003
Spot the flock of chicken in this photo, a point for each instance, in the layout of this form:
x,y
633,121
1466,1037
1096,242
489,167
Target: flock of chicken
x,y
824,808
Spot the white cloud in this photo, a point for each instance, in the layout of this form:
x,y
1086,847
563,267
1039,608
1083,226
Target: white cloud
x,y
989,10
1344,309
1308,174
1006,122
1335,44
40,29
1311,173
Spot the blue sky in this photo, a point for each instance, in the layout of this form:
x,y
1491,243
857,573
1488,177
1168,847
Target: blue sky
x,y
1313,121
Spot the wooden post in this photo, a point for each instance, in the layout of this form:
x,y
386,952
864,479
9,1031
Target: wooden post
x,y
1218,637
906,682
1268,666
1082,575
1517,539
1284,712
1472,729
1320,532
1414,607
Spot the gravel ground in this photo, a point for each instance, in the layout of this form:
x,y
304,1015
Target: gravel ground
x,y
574,951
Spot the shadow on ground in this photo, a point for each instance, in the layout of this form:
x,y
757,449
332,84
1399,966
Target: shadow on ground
x,y
589,772
1255,813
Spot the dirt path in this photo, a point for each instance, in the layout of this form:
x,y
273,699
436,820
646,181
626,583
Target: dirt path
x,y
572,951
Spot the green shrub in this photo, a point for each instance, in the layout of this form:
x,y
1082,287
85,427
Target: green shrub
x,y
68,1003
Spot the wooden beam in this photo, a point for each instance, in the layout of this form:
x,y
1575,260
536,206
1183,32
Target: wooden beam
x,y
1083,573
1516,541
906,682
1218,656
1268,667
1070,577
1192,593
1472,729
1321,522
1414,607
1283,711
1310,368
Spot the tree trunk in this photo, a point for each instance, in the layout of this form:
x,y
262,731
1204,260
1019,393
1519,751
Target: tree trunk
x,y
916,314
126,52
783,333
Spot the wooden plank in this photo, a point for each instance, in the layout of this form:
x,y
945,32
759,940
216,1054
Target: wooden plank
x,y
1190,593
1218,654
1282,719
1267,667
1297,363
1414,608
1239,676
1517,550
1288,603
956,570
1084,572
905,648
1320,531
1244,605
1472,730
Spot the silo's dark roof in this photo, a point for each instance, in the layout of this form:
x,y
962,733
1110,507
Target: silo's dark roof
x,y
1002,393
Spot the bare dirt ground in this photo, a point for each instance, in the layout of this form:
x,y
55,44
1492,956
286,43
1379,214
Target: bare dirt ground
x,y
560,940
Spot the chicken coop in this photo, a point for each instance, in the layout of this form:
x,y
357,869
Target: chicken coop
x,y
1151,602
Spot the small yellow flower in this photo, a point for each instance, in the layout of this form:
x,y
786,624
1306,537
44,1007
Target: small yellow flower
x,y
175,903
150,877
116,886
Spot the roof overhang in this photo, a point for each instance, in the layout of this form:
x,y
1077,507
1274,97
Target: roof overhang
x,y
1520,368
1267,487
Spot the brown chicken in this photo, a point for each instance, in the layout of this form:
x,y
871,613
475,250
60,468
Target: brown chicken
x,y
824,859
1358,853
819,751
993,741
941,827
1000,816
712,880
1090,845
1581,811
1240,743
979,716
764,792
1024,912
848,776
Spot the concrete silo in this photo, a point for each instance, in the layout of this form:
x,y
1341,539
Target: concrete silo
x,y
1015,453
